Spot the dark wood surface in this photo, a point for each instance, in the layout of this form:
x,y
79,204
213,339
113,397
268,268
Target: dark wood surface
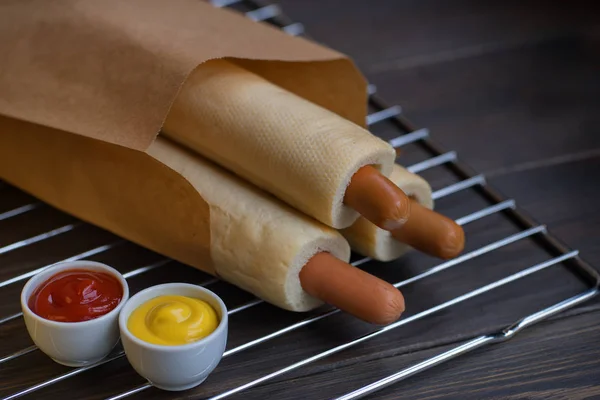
x,y
514,87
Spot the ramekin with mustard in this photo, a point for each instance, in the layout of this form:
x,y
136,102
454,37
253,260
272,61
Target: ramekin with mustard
x,y
174,334
173,320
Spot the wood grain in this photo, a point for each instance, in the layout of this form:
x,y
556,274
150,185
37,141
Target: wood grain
x,y
530,366
534,103
384,35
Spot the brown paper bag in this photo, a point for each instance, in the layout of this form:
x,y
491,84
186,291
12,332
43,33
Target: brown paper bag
x,y
85,86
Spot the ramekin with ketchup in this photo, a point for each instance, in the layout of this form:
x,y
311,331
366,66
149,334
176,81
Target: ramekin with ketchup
x,y
71,311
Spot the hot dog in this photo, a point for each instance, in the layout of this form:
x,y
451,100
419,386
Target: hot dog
x,y
424,229
301,153
270,249
351,289
282,143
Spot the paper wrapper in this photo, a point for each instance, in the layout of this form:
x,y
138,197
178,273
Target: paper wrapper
x,y
86,85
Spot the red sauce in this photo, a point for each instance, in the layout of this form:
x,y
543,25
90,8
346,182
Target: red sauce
x,y
76,295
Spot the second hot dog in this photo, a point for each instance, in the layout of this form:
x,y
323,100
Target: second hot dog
x,y
383,236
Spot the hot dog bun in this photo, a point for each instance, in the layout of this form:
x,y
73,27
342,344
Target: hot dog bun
x,y
367,239
301,153
257,242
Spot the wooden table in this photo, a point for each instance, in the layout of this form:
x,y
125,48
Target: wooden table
x,y
514,88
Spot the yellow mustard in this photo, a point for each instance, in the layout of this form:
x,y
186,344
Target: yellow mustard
x,y
173,320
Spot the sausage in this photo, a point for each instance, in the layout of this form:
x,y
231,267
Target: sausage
x,y
377,199
384,204
431,233
351,289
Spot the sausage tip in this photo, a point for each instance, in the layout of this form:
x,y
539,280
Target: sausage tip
x,y
393,309
454,242
431,233
351,289
377,198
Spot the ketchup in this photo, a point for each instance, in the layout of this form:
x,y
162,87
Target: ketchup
x,y
76,295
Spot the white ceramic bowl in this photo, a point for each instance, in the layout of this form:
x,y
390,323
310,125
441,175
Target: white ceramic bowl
x,y
175,368
74,344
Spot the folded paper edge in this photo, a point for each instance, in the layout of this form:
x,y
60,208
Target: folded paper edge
x,y
34,75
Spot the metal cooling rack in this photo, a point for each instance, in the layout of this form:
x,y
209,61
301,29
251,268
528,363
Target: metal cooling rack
x,y
407,134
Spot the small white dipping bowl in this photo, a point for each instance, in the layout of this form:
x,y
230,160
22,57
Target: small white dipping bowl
x,y
74,344
180,367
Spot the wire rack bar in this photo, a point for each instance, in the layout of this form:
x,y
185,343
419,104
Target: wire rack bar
x,y
469,346
39,238
433,162
474,254
141,270
264,13
505,205
19,353
246,306
80,256
382,115
62,377
224,3
371,89
19,210
131,392
295,29
410,138
457,187
10,318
